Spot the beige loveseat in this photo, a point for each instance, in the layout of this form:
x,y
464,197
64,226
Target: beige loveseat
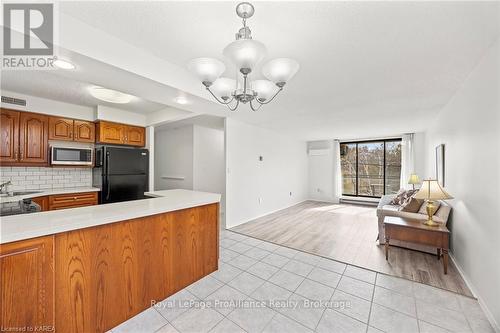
x,y
386,209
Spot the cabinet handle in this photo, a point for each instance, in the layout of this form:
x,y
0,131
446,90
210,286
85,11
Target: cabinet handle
x,y
16,155
22,156
74,198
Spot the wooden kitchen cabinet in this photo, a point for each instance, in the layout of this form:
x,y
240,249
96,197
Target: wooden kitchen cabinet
x,y
24,138
120,134
9,136
67,129
43,202
84,131
27,277
60,129
111,133
33,138
136,136
72,200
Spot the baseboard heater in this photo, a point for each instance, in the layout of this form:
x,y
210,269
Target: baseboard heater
x,y
357,201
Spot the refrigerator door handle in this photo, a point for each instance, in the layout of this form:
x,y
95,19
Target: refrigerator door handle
x,y
108,185
108,189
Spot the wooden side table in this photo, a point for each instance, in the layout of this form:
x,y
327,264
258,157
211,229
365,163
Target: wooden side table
x,y
414,231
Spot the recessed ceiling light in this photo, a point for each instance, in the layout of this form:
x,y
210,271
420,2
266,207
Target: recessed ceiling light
x,y
109,95
63,64
181,100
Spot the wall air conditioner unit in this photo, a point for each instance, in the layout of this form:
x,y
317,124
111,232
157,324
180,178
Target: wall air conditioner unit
x,y
318,152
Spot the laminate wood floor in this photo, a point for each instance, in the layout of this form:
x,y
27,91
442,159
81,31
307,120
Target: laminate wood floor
x,y
348,233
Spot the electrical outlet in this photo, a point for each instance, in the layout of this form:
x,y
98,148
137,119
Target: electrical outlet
x,y
260,200
290,193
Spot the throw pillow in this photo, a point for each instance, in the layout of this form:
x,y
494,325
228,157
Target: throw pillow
x,y
423,209
399,198
411,205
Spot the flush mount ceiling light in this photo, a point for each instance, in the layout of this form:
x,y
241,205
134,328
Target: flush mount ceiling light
x,y
245,53
63,64
109,95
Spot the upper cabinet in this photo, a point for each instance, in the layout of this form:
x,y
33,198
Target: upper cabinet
x,y
136,136
114,133
33,138
66,129
24,138
84,131
9,136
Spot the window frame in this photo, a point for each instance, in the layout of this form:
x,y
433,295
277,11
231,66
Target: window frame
x,y
384,141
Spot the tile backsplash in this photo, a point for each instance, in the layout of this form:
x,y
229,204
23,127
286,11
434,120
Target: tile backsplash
x,y
40,178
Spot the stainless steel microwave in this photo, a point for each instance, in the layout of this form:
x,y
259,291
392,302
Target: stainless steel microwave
x,y
71,156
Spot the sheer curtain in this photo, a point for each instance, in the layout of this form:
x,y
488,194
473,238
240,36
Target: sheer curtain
x,y
407,160
337,172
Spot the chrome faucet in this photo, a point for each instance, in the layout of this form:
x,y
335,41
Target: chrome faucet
x,y
3,186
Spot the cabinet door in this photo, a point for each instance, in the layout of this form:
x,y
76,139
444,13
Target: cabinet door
x,y
33,138
111,132
27,284
135,136
9,135
60,129
43,202
72,200
84,131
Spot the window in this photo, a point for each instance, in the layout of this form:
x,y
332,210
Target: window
x,y
370,168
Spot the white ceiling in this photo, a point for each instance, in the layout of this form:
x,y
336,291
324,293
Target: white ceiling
x,y
367,68
48,84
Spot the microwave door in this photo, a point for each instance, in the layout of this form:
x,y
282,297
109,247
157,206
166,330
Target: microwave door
x,y
71,156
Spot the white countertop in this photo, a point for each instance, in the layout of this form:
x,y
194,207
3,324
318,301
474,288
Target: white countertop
x,y
42,193
25,226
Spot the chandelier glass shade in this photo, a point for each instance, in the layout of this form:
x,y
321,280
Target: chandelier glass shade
x,y
245,54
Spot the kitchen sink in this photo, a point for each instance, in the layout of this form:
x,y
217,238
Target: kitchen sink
x,y
25,192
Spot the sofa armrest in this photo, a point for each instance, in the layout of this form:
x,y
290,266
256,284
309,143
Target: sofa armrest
x,y
385,200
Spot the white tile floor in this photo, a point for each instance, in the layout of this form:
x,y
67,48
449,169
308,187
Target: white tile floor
x,y
263,287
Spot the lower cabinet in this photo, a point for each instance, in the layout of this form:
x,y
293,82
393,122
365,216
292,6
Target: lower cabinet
x,y
72,200
27,285
92,279
63,201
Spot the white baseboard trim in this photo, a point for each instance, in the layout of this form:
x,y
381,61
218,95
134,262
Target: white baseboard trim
x,y
271,212
483,306
323,200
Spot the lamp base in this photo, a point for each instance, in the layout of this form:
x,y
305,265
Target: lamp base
x,y
431,209
431,223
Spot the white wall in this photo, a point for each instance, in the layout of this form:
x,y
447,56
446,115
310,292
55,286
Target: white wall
x,y
321,170
174,158
120,116
469,126
208,160
283,170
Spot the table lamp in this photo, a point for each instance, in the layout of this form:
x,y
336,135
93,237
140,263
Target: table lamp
x,y
413,180
431,191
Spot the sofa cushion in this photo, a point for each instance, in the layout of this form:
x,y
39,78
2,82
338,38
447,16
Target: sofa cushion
x,y
399,198
411,205
423,207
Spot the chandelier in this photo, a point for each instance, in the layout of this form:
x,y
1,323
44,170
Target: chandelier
x,y
245,53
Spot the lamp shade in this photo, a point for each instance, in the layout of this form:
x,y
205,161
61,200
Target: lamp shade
x,y
413,179
223,87
245,53
265,89
206,69
431,190
280,69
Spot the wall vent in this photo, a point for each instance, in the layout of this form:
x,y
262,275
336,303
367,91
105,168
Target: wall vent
x,y
12,100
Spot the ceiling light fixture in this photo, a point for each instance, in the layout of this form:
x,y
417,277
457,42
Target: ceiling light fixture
x,y
63,64
245,53
109,95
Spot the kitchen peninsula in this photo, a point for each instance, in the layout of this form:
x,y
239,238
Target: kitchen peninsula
x,y
89,269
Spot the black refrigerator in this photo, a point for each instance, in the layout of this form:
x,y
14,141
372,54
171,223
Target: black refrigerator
x,y
121,173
